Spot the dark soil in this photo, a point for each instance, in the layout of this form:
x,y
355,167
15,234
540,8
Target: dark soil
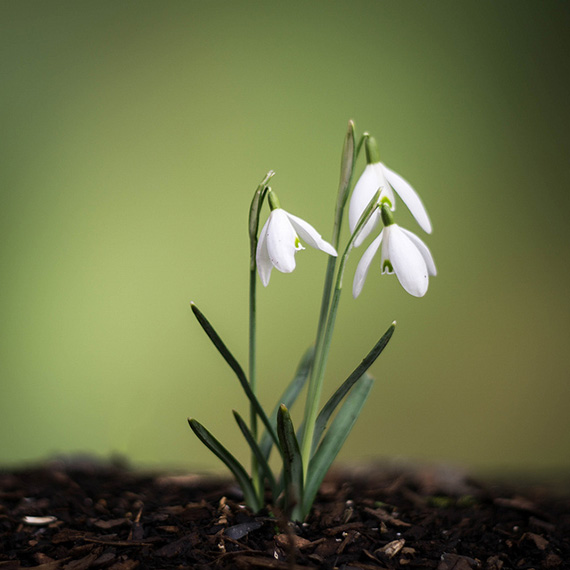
x,y
79,516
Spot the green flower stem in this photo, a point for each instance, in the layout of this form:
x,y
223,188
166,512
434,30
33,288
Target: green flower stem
x,y
253,373
349,156
324,339
346,171
254,213
350,153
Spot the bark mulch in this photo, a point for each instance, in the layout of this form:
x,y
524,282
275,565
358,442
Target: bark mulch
x,y
74,516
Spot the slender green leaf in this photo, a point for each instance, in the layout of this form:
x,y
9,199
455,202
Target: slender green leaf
x,y
234,365
292,464
289,396
230,461
334,439
344,388
266,470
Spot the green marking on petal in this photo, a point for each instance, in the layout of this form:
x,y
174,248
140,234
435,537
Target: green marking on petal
x,y
387,201
297,243
387,267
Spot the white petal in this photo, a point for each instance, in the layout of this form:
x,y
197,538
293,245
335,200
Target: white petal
x,y
282,241
264,265
367,185
407,261
384,254
364,266
426,254
409,197
309,234
384,184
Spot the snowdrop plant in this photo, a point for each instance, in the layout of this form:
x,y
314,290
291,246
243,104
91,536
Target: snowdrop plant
x,y
307,451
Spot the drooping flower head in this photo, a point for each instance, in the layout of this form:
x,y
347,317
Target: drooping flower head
x,y
279,241
378,176
402,253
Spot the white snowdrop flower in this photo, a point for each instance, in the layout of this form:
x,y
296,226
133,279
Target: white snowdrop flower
x,y
402,253
378,176
279,241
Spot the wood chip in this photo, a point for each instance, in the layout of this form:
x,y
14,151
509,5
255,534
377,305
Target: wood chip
x,y
456,562
238,531
83,563
392,548
299,542
10,565
178,547
350,537
540,542
53,565
248,562
105,525
494,563
518,503
38,521
126,565
384,516
68,535
343,528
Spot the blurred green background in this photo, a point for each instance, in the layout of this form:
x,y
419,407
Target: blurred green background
x,y
133,135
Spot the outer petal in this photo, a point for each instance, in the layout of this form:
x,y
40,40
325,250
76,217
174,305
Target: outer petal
x,y
282,241
363,192
386,188
423,250
409,197
264,265
364,265
407,261
309,234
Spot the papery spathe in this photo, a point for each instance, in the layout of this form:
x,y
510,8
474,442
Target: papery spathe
x,y
279,241
404,254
